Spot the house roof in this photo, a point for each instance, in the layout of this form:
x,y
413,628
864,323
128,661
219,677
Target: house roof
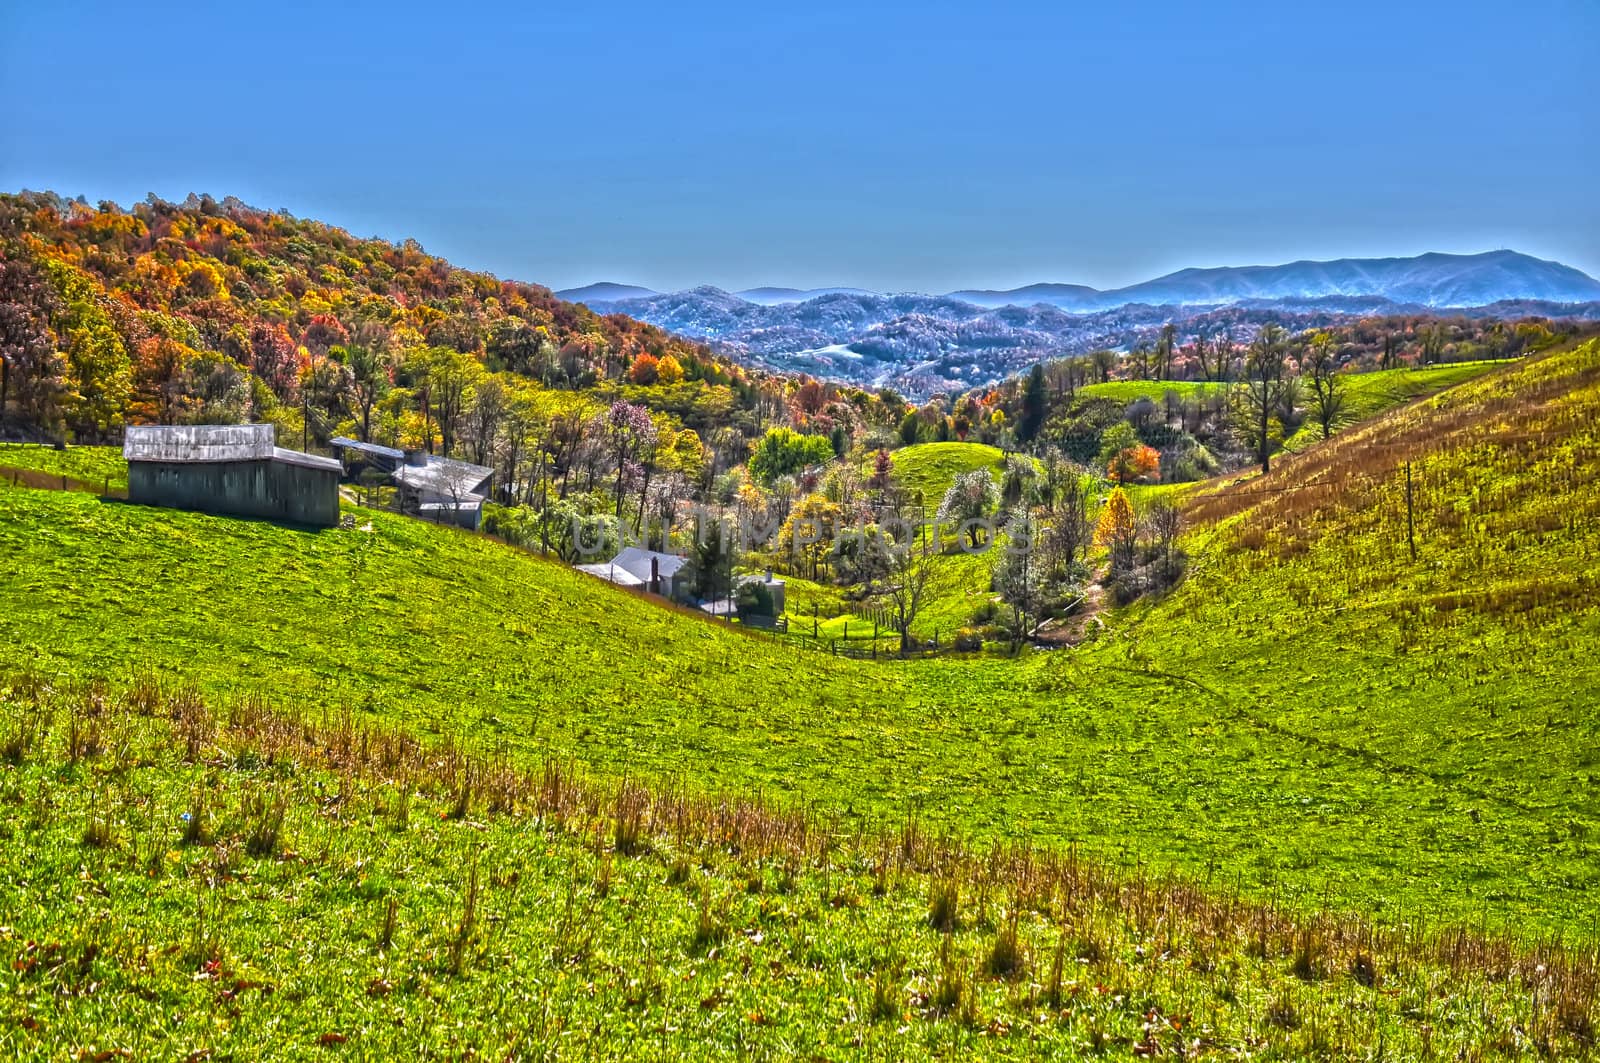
x,y
445,477
636,560
465,502
197,443
612,574
346,443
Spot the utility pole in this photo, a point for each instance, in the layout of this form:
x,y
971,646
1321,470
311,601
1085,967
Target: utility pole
x,y
1411,524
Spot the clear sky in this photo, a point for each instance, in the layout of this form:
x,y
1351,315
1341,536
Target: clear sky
x,y
916,146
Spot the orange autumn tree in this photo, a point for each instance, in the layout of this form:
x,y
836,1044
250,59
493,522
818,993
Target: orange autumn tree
x,y
1117,529
645,369
1135,464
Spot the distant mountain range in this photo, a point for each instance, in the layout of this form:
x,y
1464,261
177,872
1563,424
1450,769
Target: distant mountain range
x,y
925,343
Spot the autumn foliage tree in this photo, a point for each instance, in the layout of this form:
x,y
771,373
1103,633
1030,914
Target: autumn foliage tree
x,y
1136,464
87,288
669,370
1117,530
645,369
32,370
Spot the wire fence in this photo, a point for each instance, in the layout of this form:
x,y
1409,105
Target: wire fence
x,y
51,481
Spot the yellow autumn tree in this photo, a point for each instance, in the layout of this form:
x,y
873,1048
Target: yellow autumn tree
x,y
1117,529
669,370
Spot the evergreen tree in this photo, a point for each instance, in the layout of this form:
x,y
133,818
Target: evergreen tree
x,y
1035,403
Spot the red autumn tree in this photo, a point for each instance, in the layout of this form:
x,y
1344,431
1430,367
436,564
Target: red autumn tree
x,y
1136,464
644,370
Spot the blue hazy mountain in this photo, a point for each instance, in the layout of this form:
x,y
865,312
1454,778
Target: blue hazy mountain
x,y
776,296
927,343
604,292
1431,280
1065,296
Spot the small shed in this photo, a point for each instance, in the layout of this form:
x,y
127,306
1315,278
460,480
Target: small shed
x,y
443,489
232,469
439,489
651,570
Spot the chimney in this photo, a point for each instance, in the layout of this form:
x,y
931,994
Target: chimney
x,y
655,574
417,459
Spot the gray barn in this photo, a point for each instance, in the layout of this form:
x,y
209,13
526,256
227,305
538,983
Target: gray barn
x,y
232,469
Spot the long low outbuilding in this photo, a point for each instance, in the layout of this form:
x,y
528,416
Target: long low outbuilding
x,y
231,469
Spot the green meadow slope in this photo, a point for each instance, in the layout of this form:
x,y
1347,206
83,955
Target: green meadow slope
x,y
929,469
1466,664
1311,713
184,881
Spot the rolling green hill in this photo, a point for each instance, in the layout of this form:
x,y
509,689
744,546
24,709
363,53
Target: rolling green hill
x,y
183,880
930,468
1461,664
1205,731
100,468
1369,394
399,789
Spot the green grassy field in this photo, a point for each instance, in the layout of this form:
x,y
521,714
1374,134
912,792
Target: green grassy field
x,y
929,469
1369,394
1205,731
187,881
100,468
1154,390
1462,664
1313,725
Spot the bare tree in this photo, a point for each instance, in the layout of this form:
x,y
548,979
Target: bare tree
x,y
906,586
1072,532
1327,386
1216,356
1103,361
1265,380
1018,576
1164,521
484,418
1166,348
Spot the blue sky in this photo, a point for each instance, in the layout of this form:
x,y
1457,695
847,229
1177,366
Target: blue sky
x,y
921,146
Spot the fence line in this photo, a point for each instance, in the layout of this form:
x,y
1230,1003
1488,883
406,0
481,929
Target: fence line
x,y
50,481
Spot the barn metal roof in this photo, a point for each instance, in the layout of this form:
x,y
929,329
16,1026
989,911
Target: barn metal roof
x,y
612,574
196,443
308,461
636,560
346,443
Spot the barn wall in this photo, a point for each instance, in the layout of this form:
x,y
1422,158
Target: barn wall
x,y
273,489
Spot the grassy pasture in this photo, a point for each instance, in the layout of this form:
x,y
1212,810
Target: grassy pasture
x,y
1310,711
1202,731
181,880
930,468
93,467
